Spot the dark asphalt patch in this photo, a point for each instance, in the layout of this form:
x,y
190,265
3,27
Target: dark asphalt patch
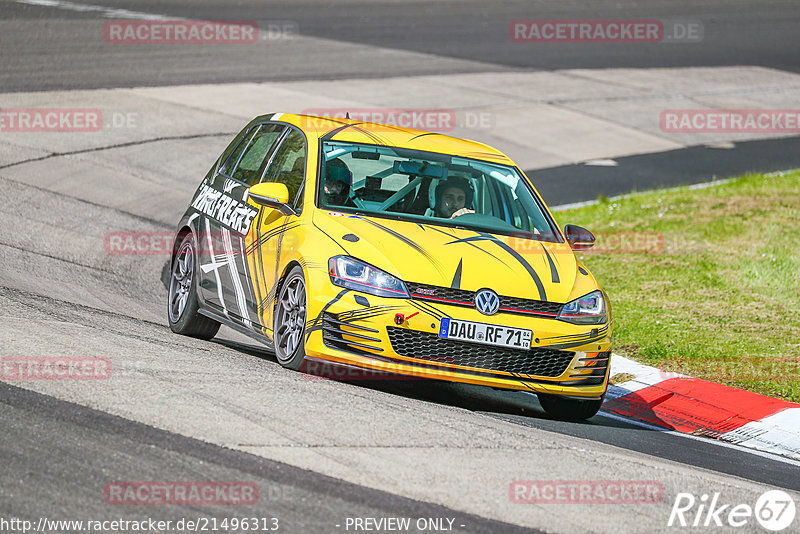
x,y
686,166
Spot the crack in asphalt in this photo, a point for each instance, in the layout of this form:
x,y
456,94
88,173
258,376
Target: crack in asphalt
x,y
90,203
416,447
60,309
45,255
118,145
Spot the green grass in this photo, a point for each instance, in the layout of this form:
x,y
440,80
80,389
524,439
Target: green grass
x,y
711,288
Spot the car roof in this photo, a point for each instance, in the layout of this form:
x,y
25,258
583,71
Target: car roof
x,y
389,135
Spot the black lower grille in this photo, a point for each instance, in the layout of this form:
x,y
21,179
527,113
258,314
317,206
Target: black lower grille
x,y
354,339
430,347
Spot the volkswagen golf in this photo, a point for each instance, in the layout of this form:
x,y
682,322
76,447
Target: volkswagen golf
x,y
395,250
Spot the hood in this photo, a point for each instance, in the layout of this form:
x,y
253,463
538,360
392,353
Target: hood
x,y
453,257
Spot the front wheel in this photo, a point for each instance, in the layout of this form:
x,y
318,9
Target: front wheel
x,y
569,409
289,323
182,306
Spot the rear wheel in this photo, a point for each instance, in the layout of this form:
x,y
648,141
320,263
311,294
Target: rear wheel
x,y
569,409
289,323
182,305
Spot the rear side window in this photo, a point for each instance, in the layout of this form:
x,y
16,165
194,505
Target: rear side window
x,y
233,158
246,161
289,165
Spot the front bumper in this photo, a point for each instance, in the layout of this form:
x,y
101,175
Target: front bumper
x,y
360,330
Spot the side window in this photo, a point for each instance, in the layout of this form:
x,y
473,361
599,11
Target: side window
x,y
252,153
233,158
289,164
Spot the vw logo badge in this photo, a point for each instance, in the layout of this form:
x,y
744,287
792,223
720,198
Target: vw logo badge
x,y
487,302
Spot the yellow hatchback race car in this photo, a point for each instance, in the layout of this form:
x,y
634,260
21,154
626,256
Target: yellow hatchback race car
x,y
391,250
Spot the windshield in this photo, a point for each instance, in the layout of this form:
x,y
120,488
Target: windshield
x,y
433,188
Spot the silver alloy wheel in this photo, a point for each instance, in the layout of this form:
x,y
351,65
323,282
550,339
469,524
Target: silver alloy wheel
x,y
180,283
290,318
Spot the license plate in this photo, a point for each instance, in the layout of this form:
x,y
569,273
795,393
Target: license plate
x,y
488,334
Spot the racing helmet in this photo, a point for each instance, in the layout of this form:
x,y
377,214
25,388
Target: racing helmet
x,y
336,169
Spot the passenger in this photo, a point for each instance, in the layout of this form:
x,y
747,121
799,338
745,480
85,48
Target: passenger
x,y
338,179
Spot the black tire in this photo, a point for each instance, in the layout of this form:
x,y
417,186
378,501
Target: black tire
x,y
182,305
289,320
569,409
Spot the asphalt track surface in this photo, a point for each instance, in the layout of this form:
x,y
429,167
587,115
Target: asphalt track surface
x,y
57,454
735,33
117,449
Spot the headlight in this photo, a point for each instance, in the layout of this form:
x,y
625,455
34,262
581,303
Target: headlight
x,y
589,309
353,274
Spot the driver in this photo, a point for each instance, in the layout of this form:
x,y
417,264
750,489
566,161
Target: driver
x,y
452,197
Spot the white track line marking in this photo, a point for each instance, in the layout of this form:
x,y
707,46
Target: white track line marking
x,y
710,441
700,438
701,185
107,12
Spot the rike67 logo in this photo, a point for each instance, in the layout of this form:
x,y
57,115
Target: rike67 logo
x,y
775,511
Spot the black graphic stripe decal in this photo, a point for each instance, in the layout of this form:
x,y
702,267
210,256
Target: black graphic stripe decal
x,y
523,262
470,244
344,317
316,323
429,309
263,238
328,136
577,340
601,331
378,140
375,137
423,135
456,283
260,274
486,237
553,270
484,155
407,241
251,291
264,303
562,346
366,313
273,292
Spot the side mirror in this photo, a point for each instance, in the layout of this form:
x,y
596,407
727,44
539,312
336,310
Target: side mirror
x,y
272,195
579,238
